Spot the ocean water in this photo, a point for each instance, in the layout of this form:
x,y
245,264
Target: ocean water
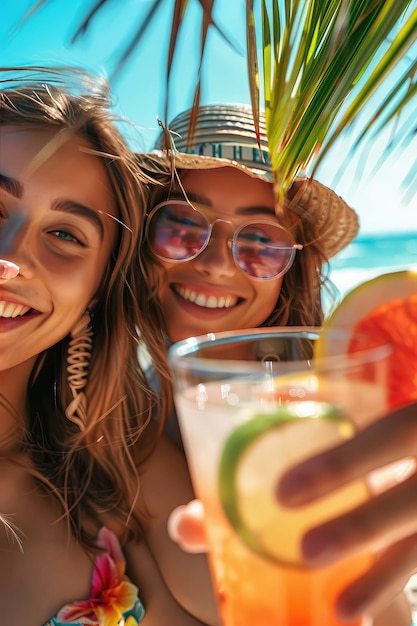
x,y
371,255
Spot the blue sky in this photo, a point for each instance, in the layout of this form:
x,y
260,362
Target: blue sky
x,y
139,91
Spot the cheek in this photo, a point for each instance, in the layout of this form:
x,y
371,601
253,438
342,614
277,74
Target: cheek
x,y
267,296
164,277
165,298
74,288
80,276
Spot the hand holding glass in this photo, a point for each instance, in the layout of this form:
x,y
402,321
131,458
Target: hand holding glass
x,y
250,405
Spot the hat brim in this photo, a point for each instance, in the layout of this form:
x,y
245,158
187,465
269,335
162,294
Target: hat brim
x,y
198,162
332,222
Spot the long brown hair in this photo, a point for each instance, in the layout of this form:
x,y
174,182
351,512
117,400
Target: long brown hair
x,y
94,472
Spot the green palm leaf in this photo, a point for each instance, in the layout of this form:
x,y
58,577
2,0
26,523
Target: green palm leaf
x,y
322,63
321,53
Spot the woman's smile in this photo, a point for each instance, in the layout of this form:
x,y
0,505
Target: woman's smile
x,y
202,299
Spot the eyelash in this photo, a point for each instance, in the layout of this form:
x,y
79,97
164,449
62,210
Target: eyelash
x,y
71,238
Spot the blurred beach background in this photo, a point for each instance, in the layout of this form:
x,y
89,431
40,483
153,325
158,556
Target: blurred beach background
x,y
372,254
381,189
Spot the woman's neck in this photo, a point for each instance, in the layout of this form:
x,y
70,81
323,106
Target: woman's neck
x,y
13,398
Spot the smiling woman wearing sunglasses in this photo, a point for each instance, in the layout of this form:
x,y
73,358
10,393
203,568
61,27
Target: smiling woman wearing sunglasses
x,y
218,251
225,256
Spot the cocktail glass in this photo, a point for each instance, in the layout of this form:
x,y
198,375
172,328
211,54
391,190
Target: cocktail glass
x,y
251,404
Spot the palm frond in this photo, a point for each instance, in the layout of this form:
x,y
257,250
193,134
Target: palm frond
x,y
322,63
85,24
30,12
397,50
384,115
321,55
179,11
130,48
178,15
253,72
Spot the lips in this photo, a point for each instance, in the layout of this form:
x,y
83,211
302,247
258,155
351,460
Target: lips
x,y
204,300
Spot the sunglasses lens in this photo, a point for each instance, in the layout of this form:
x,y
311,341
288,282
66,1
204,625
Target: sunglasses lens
x,y
177,232
263,250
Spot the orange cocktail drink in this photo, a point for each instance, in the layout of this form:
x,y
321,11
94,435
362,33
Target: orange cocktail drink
x,y
253,590
244,423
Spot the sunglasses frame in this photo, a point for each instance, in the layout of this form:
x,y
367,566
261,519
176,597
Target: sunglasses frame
x,y
232,242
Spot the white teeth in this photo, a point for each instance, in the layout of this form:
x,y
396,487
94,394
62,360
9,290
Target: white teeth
x,y
209,302
212,302
201,300
9,309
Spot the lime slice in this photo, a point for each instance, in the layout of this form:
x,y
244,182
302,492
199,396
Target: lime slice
x,y
257,453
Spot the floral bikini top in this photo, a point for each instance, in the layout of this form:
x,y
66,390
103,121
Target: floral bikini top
x,y
114,599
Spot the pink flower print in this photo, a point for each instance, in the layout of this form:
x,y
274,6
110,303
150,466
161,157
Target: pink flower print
x,y
111,593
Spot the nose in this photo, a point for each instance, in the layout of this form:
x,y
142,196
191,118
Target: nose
x,y
14,247
216,260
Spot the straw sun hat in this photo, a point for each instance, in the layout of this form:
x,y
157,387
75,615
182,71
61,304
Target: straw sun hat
x,y
224,135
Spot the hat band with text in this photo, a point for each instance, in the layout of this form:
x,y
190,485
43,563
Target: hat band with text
x,y
245,154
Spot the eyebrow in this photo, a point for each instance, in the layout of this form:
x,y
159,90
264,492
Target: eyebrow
x,y
15,188
249,210
69,206
11,186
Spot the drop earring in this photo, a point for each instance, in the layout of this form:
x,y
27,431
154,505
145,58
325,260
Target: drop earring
x,y
78,362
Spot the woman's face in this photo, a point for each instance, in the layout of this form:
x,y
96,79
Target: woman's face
x,y
54,227
210,293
